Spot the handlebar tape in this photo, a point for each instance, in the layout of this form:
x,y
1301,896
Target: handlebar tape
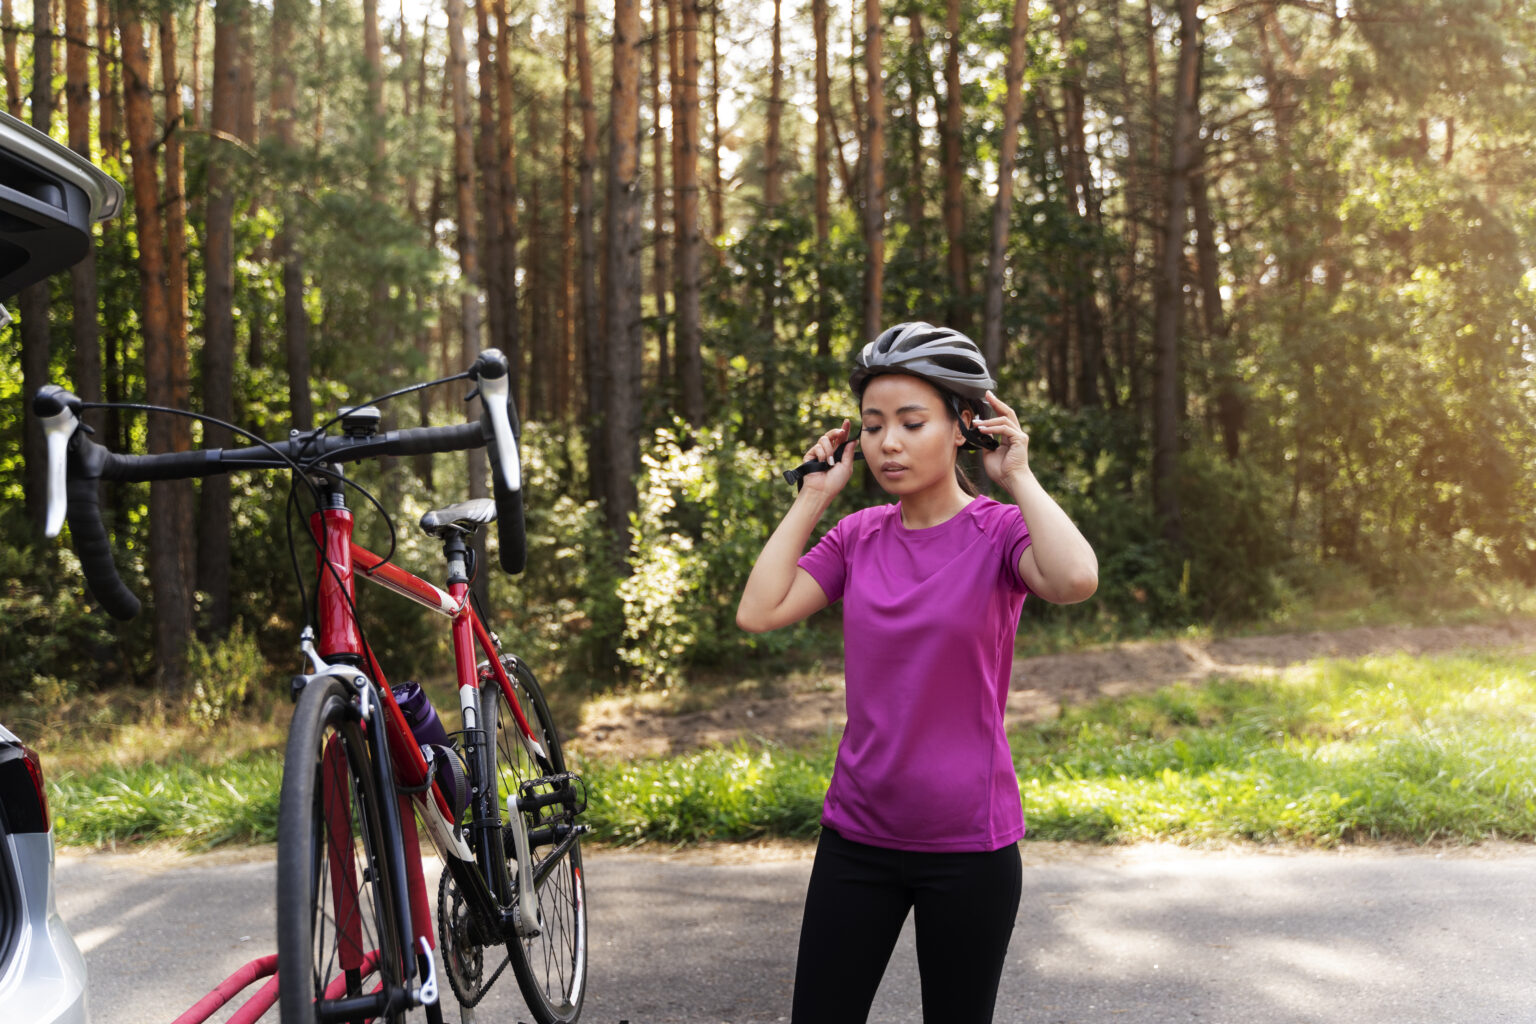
x,y
92,544
511,530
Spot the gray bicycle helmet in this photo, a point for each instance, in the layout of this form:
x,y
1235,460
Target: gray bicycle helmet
x,y
942,356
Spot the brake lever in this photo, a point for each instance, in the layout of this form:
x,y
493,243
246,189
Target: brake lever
x,y
494,393
56,409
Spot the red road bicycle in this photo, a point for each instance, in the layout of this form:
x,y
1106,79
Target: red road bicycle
x,y
354,925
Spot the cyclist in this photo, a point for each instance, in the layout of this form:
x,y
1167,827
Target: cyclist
x,y
923,810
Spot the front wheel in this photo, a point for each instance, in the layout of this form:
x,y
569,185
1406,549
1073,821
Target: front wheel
x,y
551,967
336,921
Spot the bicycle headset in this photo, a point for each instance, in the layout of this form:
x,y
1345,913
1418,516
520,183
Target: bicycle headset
x,y
943,357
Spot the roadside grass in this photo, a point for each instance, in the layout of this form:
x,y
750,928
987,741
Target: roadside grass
x,y
1410,749
1413,749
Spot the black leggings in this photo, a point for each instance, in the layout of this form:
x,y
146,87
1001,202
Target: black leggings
x,y
856,904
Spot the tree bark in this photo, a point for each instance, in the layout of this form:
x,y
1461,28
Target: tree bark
x,y
174,199
285,249
83,280
562,401
34,299
1013,107
621,409
685,124
489,178
594,362
1166,414
213,533
822,159
716,138
958,259
874,172
165,380
10,34
661,213
506,170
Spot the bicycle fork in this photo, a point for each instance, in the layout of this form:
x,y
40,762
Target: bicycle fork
x,y
420,962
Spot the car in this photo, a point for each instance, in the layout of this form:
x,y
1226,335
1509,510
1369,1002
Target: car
x,y
42,973
49,199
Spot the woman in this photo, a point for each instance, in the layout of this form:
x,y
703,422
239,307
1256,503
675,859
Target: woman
x,y
923,810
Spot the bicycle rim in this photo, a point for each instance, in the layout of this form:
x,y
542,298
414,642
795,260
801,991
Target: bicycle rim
x,y
551,967
338,938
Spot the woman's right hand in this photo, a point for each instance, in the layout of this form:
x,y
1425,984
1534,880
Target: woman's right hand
x,y
825,450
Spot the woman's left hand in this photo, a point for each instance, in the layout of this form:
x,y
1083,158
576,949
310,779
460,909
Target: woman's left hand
x,y
1011,456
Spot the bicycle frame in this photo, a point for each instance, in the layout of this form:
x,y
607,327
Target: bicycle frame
x,y
340,559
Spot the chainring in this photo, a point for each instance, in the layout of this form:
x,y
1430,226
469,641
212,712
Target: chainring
x,y
463,957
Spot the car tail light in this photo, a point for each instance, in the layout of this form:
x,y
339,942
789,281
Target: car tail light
x,y
35,772
23,797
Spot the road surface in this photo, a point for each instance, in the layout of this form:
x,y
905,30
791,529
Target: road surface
x,y
1148,934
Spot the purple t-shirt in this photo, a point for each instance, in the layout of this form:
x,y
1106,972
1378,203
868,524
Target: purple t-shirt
x,y
929,618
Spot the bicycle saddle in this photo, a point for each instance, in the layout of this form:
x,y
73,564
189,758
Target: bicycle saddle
x,y
463,517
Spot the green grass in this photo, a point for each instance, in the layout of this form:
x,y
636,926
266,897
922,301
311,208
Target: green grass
x,y
1404,748
189,803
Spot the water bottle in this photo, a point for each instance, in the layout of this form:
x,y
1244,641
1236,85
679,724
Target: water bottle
x,y
420,714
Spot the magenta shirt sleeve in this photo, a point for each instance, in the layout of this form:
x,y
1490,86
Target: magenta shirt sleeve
x,y
827,561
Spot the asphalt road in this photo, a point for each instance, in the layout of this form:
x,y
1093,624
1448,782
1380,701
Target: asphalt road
x,y
1148,934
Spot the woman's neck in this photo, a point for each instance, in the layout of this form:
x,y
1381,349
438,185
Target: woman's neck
x,y
933,506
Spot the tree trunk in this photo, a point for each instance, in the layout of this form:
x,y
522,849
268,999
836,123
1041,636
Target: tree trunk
x,y
83,282
486,167
874,172
621,409
174,200
506,170
716,138
661,214
196,119
958,257
1228,405
213,533
109,123
285,250
562,402
685,124
165,380
1083,353
767,321
34,299
10,34
822,158
1166,418
594,362
915,194
1013,107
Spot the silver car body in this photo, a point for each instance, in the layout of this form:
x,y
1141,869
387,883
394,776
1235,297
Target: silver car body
x,y
42,976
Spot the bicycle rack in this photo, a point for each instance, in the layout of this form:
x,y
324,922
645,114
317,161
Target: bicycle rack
x,y
257,1004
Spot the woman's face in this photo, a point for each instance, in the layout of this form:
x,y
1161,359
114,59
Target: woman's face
x,y
909,436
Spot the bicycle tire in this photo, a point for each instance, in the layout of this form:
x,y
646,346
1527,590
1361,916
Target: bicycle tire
x,y
550,967
324,936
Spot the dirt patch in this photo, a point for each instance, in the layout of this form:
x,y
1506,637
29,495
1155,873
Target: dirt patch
x,y
809,707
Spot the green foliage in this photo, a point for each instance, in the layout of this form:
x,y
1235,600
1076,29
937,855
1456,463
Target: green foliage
x,y
706,507
719,794
223,674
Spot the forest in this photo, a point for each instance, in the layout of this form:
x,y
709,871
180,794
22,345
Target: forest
x,y
1258,276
